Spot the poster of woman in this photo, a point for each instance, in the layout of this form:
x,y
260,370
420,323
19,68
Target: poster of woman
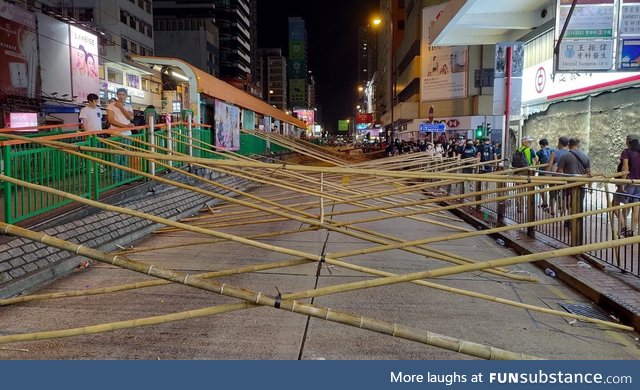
x,y
84,63
227,126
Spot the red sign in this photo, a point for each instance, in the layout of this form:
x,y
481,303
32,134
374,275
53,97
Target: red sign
x,y
453,123
431,113
364,118
19,59
541,79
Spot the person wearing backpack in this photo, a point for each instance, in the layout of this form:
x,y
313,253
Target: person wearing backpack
x,y
544,156
487,153
523,157
468,151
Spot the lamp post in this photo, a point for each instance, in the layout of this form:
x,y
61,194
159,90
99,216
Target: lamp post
x,y
377,22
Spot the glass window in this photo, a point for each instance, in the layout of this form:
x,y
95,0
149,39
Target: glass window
x,y
133,81
123,16
114,75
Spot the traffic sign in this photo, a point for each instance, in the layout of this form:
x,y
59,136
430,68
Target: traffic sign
x,y
432,127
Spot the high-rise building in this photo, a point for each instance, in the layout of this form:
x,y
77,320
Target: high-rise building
x,y
367,54
235,22
272,76
177,22
298,90
234,57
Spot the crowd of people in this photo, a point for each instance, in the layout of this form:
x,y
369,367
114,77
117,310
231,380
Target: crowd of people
x,y
449,147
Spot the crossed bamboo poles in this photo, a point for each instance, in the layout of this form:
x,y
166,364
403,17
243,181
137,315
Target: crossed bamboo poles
x,y
330,260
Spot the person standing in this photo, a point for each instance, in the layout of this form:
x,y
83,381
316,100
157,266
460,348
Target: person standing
x,y
630,159
91,115
544,156
563,147
119,115
523,157
575,162
487,153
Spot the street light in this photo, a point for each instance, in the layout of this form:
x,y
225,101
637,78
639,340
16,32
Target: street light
x,y
377,22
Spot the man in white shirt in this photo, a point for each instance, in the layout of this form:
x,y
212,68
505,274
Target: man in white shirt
x,y
120,113
91,115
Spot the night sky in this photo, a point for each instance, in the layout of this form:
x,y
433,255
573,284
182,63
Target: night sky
x,y
332,27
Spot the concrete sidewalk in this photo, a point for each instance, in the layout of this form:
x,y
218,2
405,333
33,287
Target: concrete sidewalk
x,y
608,287
265,333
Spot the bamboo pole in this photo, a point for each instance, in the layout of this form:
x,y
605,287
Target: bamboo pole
x,y
312,169
259,298
353,234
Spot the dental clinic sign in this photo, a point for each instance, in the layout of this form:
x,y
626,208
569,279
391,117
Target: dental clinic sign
x,y
600,36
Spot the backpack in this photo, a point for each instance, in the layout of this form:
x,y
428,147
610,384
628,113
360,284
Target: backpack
x,y
469,152
519,159
487,152
544,155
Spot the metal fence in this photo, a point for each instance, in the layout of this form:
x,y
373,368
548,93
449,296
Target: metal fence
x,y
33,162
550,203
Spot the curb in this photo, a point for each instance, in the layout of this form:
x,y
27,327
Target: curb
x,y
609,302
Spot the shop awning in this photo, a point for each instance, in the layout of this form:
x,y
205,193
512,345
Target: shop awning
x,y
481,22
204,83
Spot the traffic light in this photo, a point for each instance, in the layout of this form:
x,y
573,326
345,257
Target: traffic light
x,y
479,132
488,130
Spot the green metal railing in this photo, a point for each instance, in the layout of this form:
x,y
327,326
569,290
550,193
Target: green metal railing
x,y
54,168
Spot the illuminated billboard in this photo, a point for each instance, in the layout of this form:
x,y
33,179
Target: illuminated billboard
x,y
84,63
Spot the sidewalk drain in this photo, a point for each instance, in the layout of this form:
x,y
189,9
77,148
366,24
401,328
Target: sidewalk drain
x,y
586,310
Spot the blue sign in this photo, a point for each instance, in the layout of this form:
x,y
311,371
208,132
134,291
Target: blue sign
x,y
432,127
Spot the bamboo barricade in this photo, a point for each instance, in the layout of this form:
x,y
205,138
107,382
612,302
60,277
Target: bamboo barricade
x,y
282,303
217,234
342,170
331,260
439,255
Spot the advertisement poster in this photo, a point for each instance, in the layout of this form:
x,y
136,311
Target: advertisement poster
x,y
630,54
248,120
444,69
84,63
227,120
53,41
19,59
307,116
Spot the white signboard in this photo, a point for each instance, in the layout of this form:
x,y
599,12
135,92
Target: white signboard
x,y
444,69
585,55
499,93
630,20
588,21
541,85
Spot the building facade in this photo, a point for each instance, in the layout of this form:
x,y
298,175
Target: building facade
x,y
297,69
272,75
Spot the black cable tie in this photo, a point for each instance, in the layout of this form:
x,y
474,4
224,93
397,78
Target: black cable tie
x,y
278,299
322,259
